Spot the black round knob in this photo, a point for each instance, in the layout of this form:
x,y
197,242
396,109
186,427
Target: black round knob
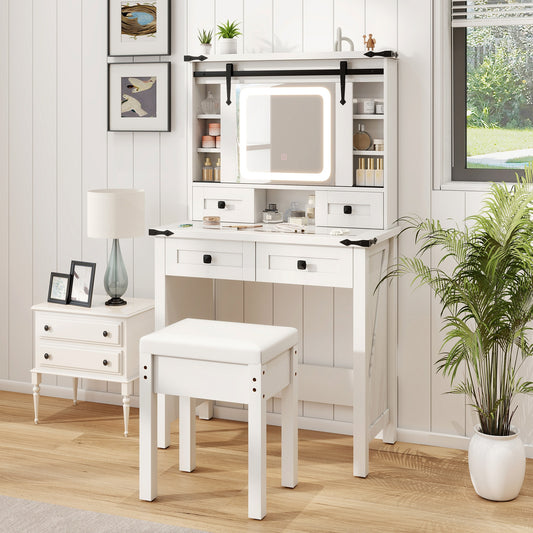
x,y
46,356
221,204
302,265
347,209
104,362
46,327
105,333
207,259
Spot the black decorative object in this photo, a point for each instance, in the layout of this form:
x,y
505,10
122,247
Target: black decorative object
x,y
366,243
166,232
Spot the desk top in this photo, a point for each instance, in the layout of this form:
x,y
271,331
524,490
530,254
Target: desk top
x,y
319,236
98,308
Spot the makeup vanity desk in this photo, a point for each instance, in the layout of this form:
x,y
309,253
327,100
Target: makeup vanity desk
x,y
197,256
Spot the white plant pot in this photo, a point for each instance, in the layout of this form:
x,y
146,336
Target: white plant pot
x,y
227,46
205,49
497,465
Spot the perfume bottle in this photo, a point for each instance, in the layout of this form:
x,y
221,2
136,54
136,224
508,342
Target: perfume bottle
x,y
362,140
310,210
209,105
271,215
207,170
216,171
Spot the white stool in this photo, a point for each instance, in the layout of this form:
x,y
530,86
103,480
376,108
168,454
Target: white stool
x,y
226,361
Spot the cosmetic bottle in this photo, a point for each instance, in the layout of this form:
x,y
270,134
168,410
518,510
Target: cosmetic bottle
x,y
216,171
207,170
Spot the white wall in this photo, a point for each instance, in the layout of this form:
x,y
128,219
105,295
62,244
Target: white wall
x,y
54,147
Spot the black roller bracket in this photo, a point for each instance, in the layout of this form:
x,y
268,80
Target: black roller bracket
x,y
385,53
194,58
365,243
166,232
229,74
343,69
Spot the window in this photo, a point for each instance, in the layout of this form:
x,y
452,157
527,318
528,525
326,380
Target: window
x,y
492,94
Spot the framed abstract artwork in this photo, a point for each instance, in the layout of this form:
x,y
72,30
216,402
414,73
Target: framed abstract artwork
x,y
139,96
138,28
81,288
59,288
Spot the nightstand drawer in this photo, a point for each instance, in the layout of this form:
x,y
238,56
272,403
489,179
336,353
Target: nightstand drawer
x,y
79,329
210,259
52,355
304,265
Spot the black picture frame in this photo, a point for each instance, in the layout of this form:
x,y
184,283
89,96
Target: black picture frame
x,y
138,96
59,288
142,41
82,283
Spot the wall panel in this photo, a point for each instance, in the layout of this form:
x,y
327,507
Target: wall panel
x,y
318,26
349,15
229,10
287,25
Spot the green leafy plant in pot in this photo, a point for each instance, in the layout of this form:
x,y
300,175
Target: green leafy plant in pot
x,y
484,283
227,32
205,37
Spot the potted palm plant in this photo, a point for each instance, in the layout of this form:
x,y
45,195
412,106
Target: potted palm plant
x,y
227,33
205,37
484,283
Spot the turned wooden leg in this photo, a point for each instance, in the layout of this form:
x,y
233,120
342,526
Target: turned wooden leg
x,y
75,391
126,393
36,381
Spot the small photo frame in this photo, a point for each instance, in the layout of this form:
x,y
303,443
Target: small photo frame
x,y
139,96
138,28
81,289
59,288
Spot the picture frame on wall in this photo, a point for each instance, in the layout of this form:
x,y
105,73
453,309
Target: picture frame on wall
x,y
138,28
139,96
59,288
81,288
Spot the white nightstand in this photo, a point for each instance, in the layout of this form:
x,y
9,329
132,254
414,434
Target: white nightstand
x,y
99,342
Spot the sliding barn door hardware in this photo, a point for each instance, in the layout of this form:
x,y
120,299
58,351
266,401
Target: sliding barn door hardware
x,y
365,243
166,232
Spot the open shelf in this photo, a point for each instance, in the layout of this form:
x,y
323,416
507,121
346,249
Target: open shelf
x,y
369,152
209,150
209,116
375,116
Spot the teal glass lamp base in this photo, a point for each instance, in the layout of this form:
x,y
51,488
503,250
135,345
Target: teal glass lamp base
x,y
116,277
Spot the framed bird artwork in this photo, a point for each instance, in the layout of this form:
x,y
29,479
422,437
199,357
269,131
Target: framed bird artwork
x,y
138,28
139,96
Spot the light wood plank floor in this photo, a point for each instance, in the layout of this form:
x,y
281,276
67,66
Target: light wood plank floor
x,y
77,457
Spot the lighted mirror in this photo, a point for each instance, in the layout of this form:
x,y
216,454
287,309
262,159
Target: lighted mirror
x,y
285,134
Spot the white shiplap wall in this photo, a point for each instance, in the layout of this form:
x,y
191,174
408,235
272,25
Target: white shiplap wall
x,y
54,147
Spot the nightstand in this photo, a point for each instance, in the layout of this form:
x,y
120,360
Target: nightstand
x,y
99,342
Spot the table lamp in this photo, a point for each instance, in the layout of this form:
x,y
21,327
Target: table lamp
x,y
115,214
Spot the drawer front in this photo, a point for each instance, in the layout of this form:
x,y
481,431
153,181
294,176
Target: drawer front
x,y
58,355
79,329
304,265
230,204
349,209
210,259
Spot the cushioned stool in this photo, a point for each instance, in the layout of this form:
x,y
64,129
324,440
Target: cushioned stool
x,y
230,362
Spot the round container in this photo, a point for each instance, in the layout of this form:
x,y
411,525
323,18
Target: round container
x,y
211,222
379,145
214,129
217,141
208,141
362,140
380,108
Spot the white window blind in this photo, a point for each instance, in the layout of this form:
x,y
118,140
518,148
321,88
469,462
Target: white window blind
x,y
467,13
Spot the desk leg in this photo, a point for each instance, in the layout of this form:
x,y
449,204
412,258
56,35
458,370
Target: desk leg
x,y
36,381
75,391
147,432
126,390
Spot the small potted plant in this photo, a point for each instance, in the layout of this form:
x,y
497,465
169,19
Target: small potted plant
x,y
484,283
205,38
226,34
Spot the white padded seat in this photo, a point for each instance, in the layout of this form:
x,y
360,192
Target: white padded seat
x,y
228,342
226,361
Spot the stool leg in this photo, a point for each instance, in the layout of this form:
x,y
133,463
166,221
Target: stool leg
x,y
167,409
256,447
289,427
147,431
187,434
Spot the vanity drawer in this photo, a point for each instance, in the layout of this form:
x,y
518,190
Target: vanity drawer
x,y
80,329
231,204
69,357
304,265
349,209
210,259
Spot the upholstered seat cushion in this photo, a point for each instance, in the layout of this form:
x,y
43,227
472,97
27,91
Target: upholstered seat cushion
x,y
214,340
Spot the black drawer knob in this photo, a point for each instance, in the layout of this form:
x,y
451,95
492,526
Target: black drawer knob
x,y
105,362
347,209
105,333
46,327
302,265
207,259
221,204
46,356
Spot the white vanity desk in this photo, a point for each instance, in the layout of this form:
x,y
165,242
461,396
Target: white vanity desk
x,y
187,261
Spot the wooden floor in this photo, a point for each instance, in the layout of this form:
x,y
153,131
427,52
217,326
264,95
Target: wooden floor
x,y
77,457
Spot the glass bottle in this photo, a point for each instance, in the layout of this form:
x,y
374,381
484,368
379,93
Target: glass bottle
x,y
310,210
216,173
207,170
209,105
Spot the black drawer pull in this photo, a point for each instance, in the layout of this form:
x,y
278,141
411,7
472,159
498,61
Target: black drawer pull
x,y
105,333
347,209
221,204
105,362
302,265
46,356
46,327
207,259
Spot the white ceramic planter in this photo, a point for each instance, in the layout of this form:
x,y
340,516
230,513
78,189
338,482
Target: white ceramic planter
x,y
227,46
497,465
205,49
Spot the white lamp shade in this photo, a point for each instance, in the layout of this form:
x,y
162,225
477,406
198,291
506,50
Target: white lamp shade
x,y
115,213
